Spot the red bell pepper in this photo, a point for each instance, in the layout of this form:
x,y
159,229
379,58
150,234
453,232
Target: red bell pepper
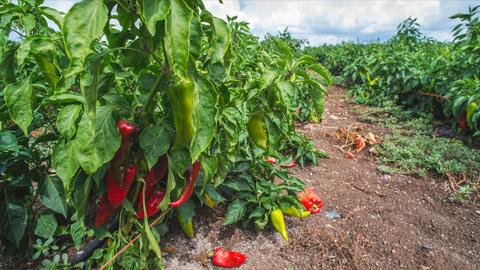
x,y
118,190
228,259
104,212
126,128
192,175
310,200
151,204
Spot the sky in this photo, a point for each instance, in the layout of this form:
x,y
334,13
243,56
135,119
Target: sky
x,y
334,21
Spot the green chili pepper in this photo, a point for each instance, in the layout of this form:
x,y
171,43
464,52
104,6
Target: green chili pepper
x,y
256,130
471,108
276,216
186,225
181,96
295,212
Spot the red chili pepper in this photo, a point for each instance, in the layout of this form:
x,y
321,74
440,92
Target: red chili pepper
x,y
126,128
151,204
157,172
290,165
192,173
271,160
462,121
153,176
228,259
104,212
118,190
310,200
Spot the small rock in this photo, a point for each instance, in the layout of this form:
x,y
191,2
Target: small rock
x,y
427,247
394,251
332,214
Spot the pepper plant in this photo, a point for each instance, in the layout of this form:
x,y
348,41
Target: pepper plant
x,y
119,111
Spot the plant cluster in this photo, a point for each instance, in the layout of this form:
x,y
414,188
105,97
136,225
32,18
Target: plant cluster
x,y
414,71
119,111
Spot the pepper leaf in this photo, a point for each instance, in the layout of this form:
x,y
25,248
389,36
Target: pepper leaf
x,y
64,161
52,195
18,97
66,119
83,24
96,143
177,38
204,116
46,226
154,11
155,141
13,220
170,186
236,211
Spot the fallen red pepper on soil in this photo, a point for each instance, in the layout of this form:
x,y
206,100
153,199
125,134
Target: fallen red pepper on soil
x,y
349,155
192,175
151,204
310,200
118,190
359,143
104,212
290,165
228,259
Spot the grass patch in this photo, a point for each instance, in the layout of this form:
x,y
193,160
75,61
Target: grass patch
x,y
411,149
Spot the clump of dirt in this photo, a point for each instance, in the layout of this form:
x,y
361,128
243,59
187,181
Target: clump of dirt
x,y
369,220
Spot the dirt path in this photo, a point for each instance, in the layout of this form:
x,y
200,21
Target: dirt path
x,y
384,222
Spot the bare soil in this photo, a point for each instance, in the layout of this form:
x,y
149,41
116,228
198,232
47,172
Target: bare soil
x,y
384,222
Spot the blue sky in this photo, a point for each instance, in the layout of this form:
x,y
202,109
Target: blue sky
x,y
333,21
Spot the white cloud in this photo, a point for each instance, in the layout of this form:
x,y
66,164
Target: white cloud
x,y
333,21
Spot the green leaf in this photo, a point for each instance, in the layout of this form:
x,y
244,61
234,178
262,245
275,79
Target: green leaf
x,y
209,166
52,195
170,186
64,98
236,211
8,142
46,226
66,120
18,97
205,116
64,161
89,83
177,39
187,210
153,243
96,143
83,24
287,91
78,231
13,220
323,72
283,48
54,15
196,34
155,141
154,11
220,39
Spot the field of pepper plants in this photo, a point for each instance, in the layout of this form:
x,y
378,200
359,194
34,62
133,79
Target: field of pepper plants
x,y
120,115
415,71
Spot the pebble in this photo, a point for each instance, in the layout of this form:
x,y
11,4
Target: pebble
x,y
332,214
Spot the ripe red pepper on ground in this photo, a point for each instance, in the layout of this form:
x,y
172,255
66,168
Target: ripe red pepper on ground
x,y
310,200
104,212
117,190
192,175
290,165
151,204
228,259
